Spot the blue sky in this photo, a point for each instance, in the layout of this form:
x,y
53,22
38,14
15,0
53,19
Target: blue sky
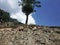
x,y
48,14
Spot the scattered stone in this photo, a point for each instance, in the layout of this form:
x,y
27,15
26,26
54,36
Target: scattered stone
x,y
29,36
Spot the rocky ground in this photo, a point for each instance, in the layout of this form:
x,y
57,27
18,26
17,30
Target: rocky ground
x,y
30,35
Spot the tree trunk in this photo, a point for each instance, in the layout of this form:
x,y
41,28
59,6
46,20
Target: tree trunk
x,y
26,20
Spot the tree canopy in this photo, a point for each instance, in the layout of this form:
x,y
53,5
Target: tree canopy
x,y
4,16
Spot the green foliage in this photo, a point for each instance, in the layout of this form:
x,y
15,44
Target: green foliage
x,y
31,2
4,16
27,9
29,5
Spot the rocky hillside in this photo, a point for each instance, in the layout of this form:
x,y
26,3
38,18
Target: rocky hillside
x,y
30,35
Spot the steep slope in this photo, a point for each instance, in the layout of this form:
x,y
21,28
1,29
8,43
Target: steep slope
x,y
30,35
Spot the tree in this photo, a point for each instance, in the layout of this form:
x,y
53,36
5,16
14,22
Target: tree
x,y
28,7
4,16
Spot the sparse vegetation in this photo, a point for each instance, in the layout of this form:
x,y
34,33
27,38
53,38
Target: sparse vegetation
x,y
55,27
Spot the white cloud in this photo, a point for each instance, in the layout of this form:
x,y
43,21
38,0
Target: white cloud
x,y
12,7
